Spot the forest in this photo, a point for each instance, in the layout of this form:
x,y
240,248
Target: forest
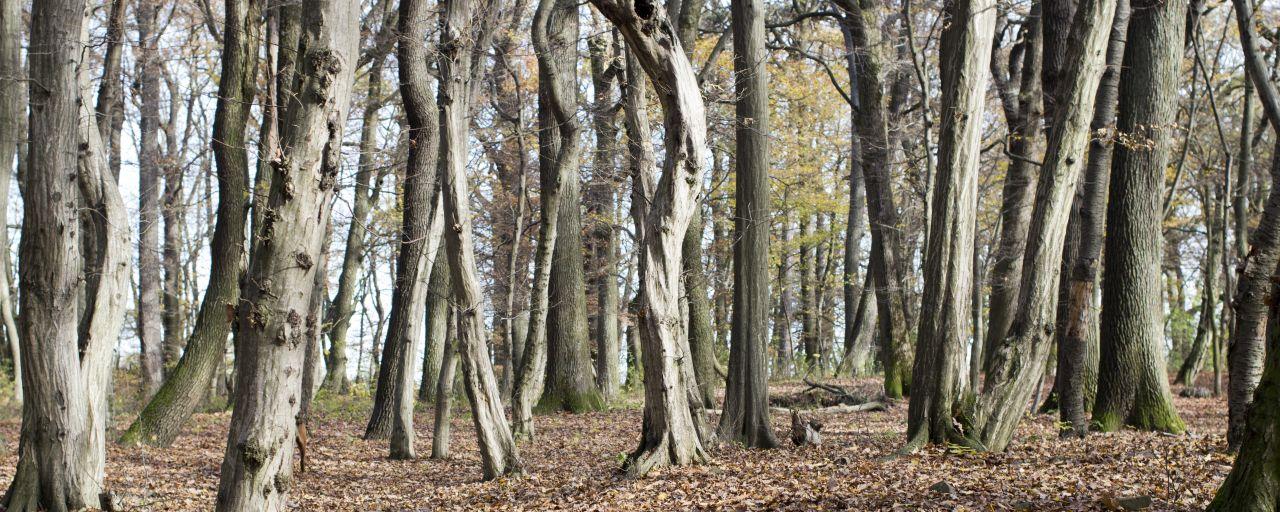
x,y
268,255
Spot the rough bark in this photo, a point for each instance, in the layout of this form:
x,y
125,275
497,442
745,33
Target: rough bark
x,y
745,418
74,222
270,328
1205,326
163,417
1246,348
438,290
1133,387
13,121
886,262
462,31
602,207
936,376
1077,374
698,327
1019,359
110,106
444,385
672,432
418,239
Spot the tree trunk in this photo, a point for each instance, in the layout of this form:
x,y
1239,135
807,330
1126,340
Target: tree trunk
x,y
13,122
257,468
966,53
466,27
1020,357
365,197
312,368
602,204
745,418
570,385
783,364
150,329
886,262
672,432
444,385
66,344
1076,379
1133,387
1246,350
1205,327
438,291
1023,111
184,390
109,110
698,329
418,239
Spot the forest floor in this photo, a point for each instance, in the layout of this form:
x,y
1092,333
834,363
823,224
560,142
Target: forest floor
x,y
573,464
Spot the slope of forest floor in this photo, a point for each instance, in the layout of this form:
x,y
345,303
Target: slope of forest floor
x,y
573,464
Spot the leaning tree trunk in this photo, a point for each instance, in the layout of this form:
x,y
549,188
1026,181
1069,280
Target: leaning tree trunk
x,y
1023,112
189,381
464,24
1077,372
150,330
439,289
69,323
745,418
417,239
270,325
698,328
1246,349
936,376
886,262
1133,387
672,433
1019,359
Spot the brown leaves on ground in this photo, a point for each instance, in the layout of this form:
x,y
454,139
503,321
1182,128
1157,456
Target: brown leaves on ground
x,y
573,465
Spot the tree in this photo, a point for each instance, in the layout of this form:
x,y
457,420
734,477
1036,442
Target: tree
x,y
672,432
605,70
1246,349
163,417
746,408
990,418
1133,388
13,121
466,27
150,155
270,324
570,386
936,376
1077,374
66,343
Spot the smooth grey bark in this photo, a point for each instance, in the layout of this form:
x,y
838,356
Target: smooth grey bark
x,y
1133,387
163,417
745,418
467,26
147,88
74,223
1246,349
990,418
444,385
672,433
270,325
418,239
936,376
855,224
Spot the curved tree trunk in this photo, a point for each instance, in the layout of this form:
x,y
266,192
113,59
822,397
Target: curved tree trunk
x,y
13,136
465,28
672,432
439,289
270,327
1133,387
166,413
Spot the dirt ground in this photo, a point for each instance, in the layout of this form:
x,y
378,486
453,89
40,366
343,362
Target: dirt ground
x,y
573,465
